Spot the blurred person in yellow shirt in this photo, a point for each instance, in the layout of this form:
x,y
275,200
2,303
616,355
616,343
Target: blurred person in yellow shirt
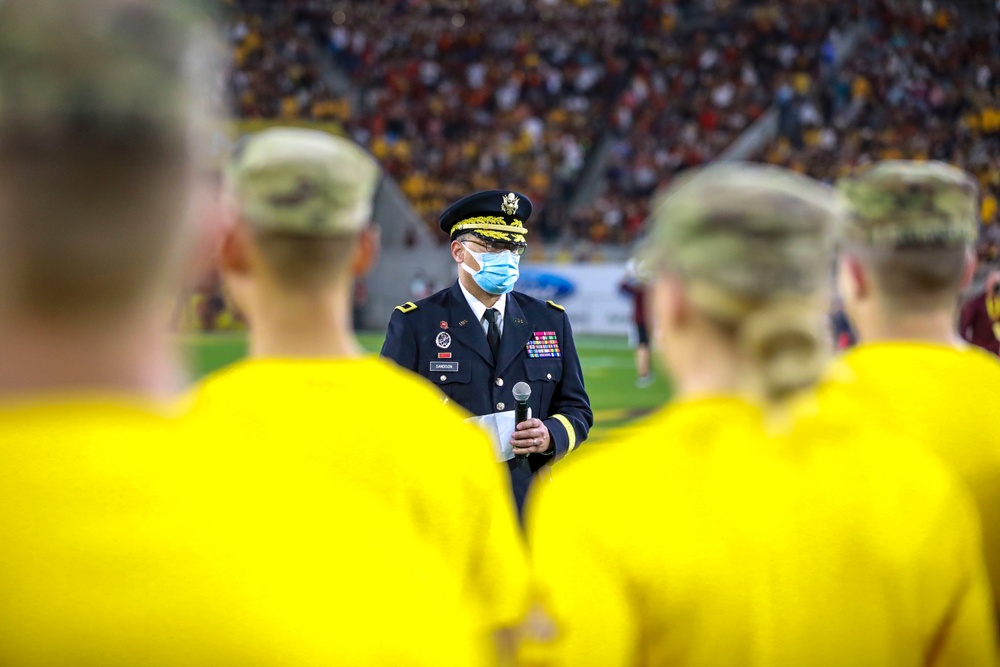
x,y
129,533
908,254
300,233
739,526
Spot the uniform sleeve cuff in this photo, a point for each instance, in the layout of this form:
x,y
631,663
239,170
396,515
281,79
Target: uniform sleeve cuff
x,y
570,434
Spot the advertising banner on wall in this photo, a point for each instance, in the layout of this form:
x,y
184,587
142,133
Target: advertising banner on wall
x,y
589,292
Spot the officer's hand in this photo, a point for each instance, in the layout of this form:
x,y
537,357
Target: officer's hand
x,y
531,437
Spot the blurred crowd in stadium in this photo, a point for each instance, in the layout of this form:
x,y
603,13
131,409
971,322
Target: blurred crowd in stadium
x,y
923,87
463,95
695,89
590,106
433,90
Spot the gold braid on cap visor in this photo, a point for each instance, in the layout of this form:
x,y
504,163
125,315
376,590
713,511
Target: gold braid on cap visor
x,y
487,223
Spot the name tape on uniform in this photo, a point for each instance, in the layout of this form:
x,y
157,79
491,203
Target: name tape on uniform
x,y
444,366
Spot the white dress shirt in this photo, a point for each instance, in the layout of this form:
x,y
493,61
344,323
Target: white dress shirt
x,y
480,309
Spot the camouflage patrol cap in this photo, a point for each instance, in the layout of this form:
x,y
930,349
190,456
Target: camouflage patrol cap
x,y
747,230
303,182
96,65
898,203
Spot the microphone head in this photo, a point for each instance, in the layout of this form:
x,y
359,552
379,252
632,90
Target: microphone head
x,y
521,392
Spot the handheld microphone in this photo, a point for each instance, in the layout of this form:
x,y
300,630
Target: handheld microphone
x,y
522,392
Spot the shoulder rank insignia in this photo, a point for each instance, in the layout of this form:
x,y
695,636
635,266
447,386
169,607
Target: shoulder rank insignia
x,y
407,307
554,305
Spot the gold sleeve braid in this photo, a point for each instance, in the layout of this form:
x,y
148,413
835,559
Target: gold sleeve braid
x,y
570,431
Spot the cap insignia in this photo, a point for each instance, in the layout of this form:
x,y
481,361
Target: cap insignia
x,y
509,205
304,190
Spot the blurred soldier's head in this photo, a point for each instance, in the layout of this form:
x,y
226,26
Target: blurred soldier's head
x,y
908,243
98,126
302,210
739,258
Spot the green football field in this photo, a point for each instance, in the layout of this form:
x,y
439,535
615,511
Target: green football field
x,y
608,370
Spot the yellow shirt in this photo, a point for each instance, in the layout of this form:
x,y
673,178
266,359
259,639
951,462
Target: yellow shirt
x,y
128,537
697,539
988,210
367,421
945,398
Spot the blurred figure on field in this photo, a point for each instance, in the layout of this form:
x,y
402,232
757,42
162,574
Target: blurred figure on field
x,y
980,318
300,234
840,327
633,286
907,255
133,532
738,526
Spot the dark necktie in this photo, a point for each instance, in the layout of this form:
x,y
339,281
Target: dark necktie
x,y
493,331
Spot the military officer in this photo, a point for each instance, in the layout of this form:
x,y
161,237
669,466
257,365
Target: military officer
x,y
478,338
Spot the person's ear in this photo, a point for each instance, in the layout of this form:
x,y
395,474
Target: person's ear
x,y
853,280
235,265
678,306
457,252
205,228
969,272
667,302
366,250
234,251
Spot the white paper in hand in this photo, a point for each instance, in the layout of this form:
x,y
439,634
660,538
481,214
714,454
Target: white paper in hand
x,y
499,426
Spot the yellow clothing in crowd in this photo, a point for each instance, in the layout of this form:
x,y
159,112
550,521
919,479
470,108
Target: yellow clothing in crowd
x,y
988,210
366,420
702,537
945,398
130,537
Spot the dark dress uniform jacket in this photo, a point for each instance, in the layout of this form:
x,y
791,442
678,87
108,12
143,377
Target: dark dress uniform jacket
x,y
481,386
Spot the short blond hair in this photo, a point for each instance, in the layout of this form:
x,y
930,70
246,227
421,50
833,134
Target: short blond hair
x,y
306,263
917,278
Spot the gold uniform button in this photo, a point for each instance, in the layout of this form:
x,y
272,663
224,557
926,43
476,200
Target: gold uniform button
x,y
500,406
548,376
499,382
443,378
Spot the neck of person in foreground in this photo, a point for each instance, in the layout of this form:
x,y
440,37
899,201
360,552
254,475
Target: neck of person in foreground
x,y
701,361
309,324
882,322
96,352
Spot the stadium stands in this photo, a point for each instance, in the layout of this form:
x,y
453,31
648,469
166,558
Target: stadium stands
x,y
926,85
693,92
462,95
458,96
277,69
450,96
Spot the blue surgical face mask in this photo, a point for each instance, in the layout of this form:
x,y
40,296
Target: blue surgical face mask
x,y
498,270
